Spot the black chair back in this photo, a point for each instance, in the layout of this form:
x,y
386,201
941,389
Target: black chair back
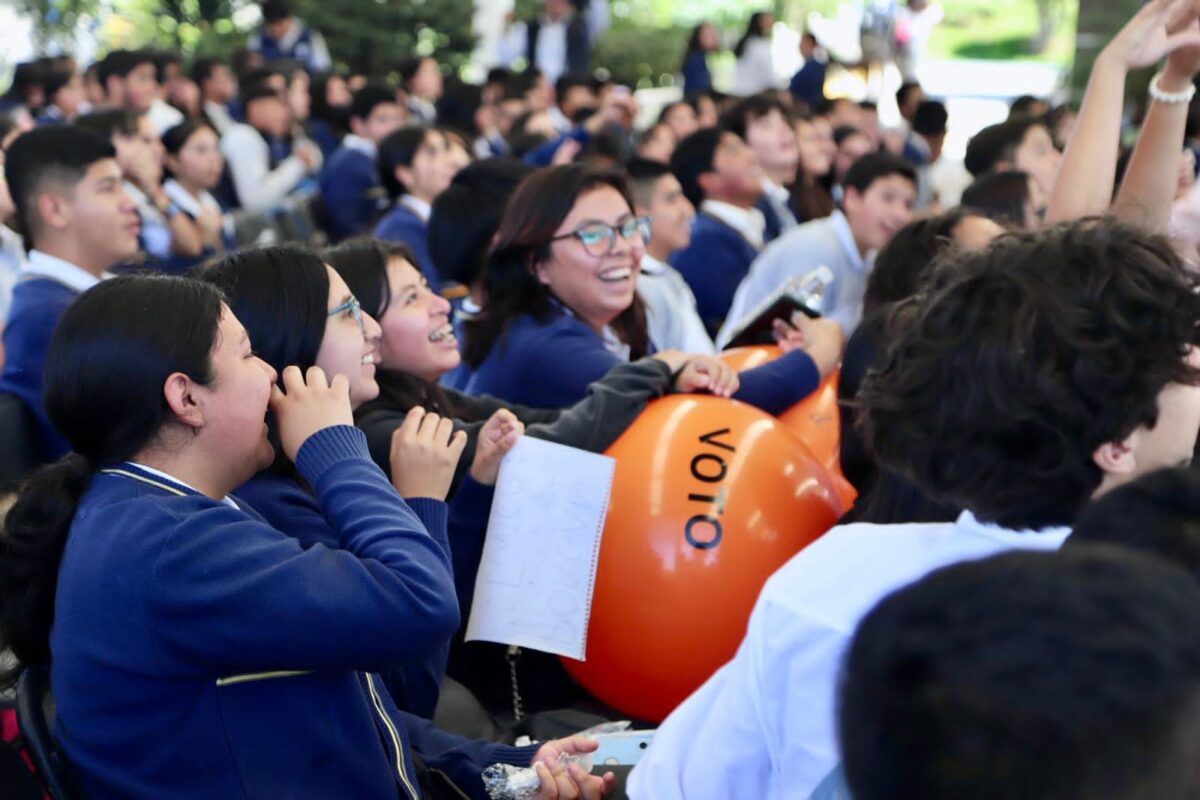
x,y
20,448
35,716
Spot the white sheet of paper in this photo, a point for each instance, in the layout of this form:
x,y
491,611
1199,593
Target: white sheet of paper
x,y
534,587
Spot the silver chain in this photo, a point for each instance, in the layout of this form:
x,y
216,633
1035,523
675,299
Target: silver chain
x,y
514,655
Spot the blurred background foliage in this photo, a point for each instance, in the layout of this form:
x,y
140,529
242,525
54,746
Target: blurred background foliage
x,y
643,47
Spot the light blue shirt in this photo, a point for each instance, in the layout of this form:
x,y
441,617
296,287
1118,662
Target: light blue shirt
x,y
764,725
827,242
671,316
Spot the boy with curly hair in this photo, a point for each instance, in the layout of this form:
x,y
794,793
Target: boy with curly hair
x,y
1033,375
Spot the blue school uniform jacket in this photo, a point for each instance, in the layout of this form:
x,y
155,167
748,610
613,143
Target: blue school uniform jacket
x,y
351,192
37,303
550,364
402,224
288,507
696,77
713,264
200,653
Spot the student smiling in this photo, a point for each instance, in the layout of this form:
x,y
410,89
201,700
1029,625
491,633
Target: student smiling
x,y
239,661
561,306
80,223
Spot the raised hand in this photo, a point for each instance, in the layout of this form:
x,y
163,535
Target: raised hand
x,y
424,454
1158,28
307,404
497,436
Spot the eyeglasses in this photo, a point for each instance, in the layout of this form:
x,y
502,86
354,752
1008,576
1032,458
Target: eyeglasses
x,y
355,308
599,238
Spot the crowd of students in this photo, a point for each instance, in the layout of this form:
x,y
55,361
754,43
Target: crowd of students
x,y
249,559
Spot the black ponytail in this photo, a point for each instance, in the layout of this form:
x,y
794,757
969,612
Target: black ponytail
x,y
35,536
106,365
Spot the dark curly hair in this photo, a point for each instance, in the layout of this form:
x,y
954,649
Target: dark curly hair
x,y
1023,359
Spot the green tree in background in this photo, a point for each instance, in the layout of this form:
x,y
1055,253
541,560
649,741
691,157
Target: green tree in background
x,y
1099,21
56,21
370,36
373,37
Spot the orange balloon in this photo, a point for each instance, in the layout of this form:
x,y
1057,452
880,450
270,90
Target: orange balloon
x,y
743,358
709,497
815,420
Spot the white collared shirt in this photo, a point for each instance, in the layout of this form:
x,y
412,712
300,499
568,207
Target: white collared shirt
x,y
188,202
779,198
748,222
219,116
764,725
155,232
43,265
227,500
774,191
163,116
417,206
362,144
551,53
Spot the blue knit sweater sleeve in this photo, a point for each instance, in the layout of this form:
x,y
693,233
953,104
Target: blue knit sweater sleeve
x,y
543,154
778,385
416,684
462,760
384,597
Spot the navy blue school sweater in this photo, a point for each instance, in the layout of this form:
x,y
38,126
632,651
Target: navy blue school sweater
x,y
37,304
351,192
551,364
289,507
197,652
402,224
696,77
713,264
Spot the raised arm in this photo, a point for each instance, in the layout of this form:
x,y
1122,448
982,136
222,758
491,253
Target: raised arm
x,y
1085,181
1148,191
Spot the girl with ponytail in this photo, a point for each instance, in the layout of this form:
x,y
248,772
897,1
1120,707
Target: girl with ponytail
x,y
194,650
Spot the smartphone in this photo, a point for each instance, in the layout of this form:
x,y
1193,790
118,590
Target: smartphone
x,y
620,749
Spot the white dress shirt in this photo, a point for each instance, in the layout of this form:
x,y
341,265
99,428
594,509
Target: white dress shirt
x,y
821,242
671,315
779,198
764,725
259,187
218,114
749,222
155,233
755,70
551,54
417,206
163,116
43,265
